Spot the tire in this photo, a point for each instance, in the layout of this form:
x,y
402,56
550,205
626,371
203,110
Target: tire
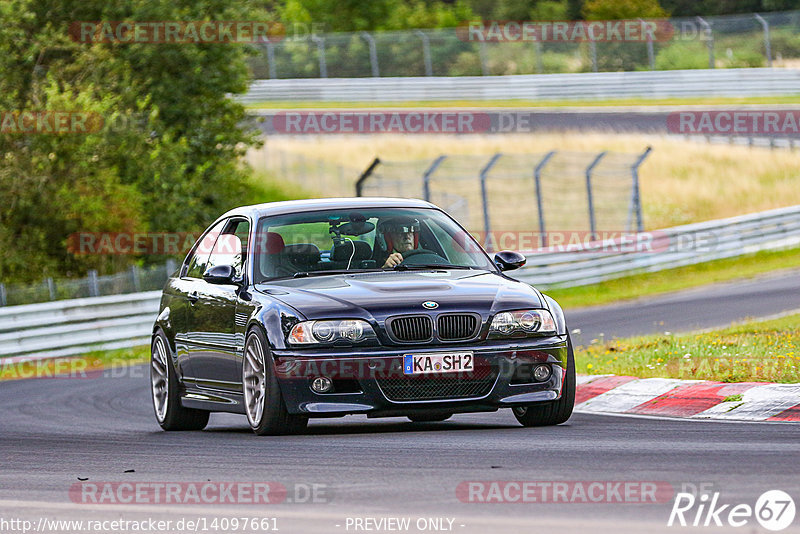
x,y
263,403
165,391
556,412
429,418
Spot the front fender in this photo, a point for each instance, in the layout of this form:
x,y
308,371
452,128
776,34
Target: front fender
x,y
277,320
558,315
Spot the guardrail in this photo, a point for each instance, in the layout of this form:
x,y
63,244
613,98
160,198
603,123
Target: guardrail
x,y
532,87
663,249
70,327
77,326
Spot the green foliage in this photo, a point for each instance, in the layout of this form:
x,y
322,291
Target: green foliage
x,y
358,15
784,42
623,9
683,55
743,58
617,56
173,165
690,8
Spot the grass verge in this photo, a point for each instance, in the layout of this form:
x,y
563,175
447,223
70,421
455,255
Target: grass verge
x,y
91,365
762,351
650,284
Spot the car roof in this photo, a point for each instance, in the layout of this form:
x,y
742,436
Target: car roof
x,y
315,204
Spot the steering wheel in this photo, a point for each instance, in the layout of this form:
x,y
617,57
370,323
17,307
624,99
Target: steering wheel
x,y
436,258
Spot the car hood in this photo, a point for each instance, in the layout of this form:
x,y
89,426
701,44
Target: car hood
x,y
377,295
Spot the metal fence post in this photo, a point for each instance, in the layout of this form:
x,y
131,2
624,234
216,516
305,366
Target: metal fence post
x,y
364,175
135,278
767,43
483,58
94,289
426,51
340,173
171,266
589,197
709,41
636,199
487,227
3,298
537,46
373,53
593,52
426,177
537,178
651,53
323,65
51,288
271,61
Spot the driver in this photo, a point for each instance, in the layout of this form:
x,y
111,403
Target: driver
x,y
401,235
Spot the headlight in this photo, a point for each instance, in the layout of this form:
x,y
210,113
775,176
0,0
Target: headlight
x,y
522,322
313,332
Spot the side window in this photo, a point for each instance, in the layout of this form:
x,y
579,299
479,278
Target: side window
x,y
242,231
231,246
198,262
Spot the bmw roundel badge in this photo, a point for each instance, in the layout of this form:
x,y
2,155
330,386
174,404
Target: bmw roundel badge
x,y
430,305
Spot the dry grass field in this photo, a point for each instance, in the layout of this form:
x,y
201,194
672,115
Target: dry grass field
x,y
682,181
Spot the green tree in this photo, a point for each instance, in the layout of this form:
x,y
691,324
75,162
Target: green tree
x,y
173,166
623,9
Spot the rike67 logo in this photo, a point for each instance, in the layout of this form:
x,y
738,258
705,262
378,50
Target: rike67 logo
x,y
774,510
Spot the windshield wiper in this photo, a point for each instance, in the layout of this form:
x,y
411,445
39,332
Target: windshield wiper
x,y
429,266
304,274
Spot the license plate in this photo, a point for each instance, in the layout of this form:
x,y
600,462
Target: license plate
x,y
424,364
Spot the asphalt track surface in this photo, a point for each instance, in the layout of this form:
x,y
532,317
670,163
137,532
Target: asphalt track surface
x,y
502,120
55,431
710,306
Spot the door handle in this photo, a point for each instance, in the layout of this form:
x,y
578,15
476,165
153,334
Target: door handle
x,y
193,296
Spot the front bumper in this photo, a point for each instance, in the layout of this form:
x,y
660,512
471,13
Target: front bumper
x,y
366,369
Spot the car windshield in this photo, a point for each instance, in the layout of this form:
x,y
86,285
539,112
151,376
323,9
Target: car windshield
x,y
354,240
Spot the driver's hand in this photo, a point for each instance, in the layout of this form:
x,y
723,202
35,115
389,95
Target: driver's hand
x,y
393,260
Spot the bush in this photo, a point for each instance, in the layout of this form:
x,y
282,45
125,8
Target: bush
x,y
173,169
680,56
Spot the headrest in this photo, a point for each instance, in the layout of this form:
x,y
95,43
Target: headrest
x,y
272,243
302,253
344,250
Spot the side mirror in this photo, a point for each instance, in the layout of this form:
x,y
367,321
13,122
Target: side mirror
x,y
508,260
221,274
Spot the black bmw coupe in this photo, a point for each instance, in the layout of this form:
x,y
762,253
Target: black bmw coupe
x,y
376,306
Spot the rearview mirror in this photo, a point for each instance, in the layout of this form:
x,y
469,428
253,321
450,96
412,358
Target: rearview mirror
x,y
508,260
221,274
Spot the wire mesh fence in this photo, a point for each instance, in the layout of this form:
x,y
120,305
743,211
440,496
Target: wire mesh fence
x,y
311,175
133,280
750,40
532,199
543,196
